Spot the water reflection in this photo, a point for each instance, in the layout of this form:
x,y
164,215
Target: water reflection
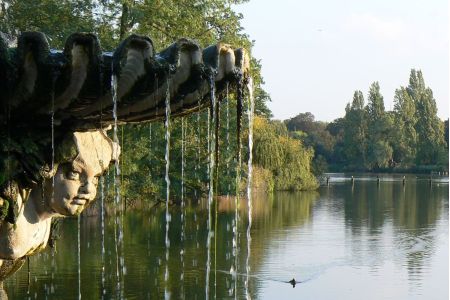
x,y
399,218
343,241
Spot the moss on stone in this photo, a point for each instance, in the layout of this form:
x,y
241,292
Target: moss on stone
x,y
4,206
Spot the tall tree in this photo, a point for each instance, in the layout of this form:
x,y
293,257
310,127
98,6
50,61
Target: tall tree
x,y
375,105
355,133
379,152
358,100
404,141
429,128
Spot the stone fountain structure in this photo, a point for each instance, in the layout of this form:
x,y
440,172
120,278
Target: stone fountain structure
x,y
57,105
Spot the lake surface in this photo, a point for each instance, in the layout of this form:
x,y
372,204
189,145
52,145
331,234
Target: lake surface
x,y
344,241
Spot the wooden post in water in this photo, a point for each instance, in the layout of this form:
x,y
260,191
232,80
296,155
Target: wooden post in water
x,y
328,180
353,180
378,180
430,180
404,180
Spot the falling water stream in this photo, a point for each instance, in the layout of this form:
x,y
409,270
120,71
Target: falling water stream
x,y
183,206
53,171
208,238
79,257
234,269
216,187
183,141
211,159
150,175
227,158
102,216
53,138
167,157
250,111
118,235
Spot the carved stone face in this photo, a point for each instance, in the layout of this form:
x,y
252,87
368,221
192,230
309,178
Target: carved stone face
x,y
75,182
75,187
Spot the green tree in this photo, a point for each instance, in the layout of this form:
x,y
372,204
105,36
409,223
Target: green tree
x,y
336,159
287,158
404,141
355,133
429,128
313,134
302,121
446,131
379,151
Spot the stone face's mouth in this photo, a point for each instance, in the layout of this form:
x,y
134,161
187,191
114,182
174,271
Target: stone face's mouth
x,y
79,201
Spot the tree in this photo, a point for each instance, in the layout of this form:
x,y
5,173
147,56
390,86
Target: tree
x,y
404,135
313,134
375,104
358,101
446,131
336,129
287,158
355,133
430,130
379,152
302,121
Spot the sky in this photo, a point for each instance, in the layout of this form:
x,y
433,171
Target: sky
x,y
315,54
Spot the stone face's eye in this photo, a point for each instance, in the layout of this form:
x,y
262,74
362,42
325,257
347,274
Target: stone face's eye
x,y
73,175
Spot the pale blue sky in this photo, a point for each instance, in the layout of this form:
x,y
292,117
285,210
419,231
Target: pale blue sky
x,y
315,54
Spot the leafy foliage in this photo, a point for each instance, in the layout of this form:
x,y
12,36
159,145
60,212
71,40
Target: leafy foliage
x,y
411,137
286,157
314,135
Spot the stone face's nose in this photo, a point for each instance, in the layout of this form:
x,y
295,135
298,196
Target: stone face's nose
x,y
88,190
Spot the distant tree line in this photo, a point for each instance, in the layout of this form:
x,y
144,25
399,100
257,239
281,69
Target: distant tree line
x,y
411,137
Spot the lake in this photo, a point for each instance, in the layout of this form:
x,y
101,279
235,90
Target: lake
x,y
365,240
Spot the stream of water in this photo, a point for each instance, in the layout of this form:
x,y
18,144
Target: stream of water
x,y
102,221
211,160
250,112
167,178
183,204
118,208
